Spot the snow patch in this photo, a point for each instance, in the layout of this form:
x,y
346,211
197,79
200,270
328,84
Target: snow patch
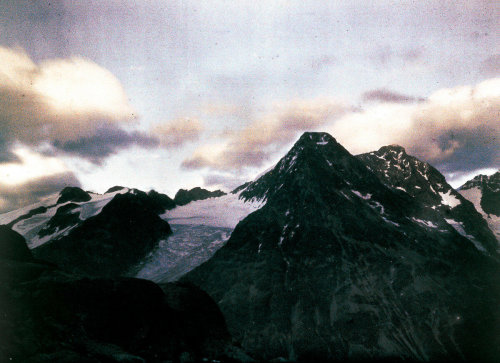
x,y
390,222
474,195
363,196
449,199
425,223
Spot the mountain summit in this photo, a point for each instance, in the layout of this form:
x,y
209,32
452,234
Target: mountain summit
x,y
425,183
338,264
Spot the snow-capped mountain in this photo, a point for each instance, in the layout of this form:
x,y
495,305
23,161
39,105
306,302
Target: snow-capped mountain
x,y
403,172
119,232
337,264
484,192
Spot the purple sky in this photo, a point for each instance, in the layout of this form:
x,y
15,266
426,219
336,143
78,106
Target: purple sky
x,y
177,94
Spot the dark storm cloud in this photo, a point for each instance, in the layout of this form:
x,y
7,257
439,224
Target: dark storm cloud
x,y
384,95
105,142
472,149
20,195
6,155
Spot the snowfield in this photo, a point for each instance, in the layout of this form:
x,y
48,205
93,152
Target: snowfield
x,y
30,227
225,212
474,195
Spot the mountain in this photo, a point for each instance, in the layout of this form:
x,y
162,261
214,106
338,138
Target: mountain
x,y
88,233
127,232
108,244
336,264
484,192
183,197
48,315
401,171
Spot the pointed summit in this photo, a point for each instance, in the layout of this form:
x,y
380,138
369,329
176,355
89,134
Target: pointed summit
x,y
315,159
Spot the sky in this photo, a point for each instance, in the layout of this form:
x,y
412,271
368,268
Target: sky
x,y
176,94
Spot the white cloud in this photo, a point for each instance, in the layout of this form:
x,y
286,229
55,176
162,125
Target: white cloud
x,y
454,128
59,100
31,166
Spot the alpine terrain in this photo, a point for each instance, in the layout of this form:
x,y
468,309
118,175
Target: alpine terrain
x,y
340,262
127,231
484,192
400,171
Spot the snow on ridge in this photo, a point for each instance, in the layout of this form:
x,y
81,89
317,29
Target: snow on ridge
x,y
30,227
428,224
8,217
459,227
365,197
449,199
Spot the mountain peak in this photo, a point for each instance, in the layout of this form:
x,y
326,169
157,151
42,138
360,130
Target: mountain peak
x,y
393,148
481,180
315,141
315,158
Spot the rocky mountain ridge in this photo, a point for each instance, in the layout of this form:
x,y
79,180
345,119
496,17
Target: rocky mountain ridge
x,y
338,265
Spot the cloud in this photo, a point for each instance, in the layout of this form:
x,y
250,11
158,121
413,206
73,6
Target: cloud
x,y
384,95
58,101
255,144
454,129
227,182
491,66
177,132
105,141
32,191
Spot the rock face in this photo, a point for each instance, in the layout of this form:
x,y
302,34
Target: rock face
x,y
339,265
73,194
484,192
13,246
183,197
51,316
403,172
108,244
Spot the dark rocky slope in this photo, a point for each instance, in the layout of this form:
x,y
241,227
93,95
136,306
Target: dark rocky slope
x,y
337,266
47,315
108,244
183,196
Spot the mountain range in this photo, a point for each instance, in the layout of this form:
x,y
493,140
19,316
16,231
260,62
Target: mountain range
x,y
327,256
